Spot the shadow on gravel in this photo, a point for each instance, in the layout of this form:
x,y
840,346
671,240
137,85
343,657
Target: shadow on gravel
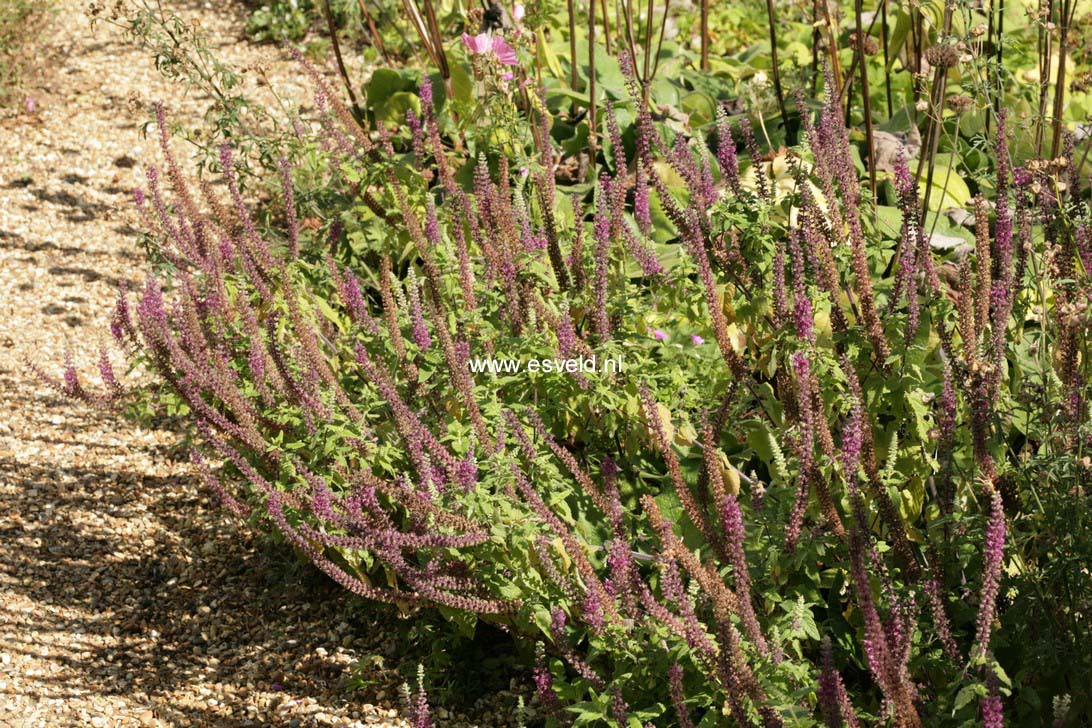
x,y
134,584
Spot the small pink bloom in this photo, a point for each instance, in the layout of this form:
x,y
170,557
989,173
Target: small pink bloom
x,y
480,43
508,77
31,104
698,341
658,334
504,52
518,12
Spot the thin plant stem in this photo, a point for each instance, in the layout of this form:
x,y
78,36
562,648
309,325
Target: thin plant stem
x,y
935,118
572,44
886,60
437,40
771,15
332,26
1066,17
1000,52
630,39
1045,51
660,41
377,39
606,28
832,47
647,60
935,122
866,100
592,127
705,35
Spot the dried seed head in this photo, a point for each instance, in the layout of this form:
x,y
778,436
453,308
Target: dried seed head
x,y
869,46
961,104
943,55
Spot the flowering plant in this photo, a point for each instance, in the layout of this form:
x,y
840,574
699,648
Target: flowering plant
x,y
807,519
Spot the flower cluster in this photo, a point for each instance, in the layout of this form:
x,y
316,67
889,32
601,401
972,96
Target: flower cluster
x,y
638,523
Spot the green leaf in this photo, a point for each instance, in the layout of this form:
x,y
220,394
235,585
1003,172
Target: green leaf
x,y
948,189
966,695
547,55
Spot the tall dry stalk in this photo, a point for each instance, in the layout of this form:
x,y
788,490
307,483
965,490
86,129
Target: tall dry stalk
x,y
866,100
771,16
332,26
705,35
1065,16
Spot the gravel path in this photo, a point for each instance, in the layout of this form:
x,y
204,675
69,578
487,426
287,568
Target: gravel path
x,y
126,596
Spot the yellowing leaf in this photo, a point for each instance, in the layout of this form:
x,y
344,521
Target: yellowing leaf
x,y
547,55
948,189
686,435
731,475
665,421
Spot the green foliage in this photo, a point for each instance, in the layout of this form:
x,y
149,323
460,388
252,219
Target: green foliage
x,y
925,498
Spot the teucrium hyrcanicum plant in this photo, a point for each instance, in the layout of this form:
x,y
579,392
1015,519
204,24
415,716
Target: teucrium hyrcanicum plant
x,y
795,501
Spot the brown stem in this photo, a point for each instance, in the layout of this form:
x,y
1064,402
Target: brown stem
x,y
592,127
832,48
705,35
816,73
647,60
340,63
659,44
606,28
572,44
866,99
933,121
1059,86
437,42
886,59
771,15
377,40
1044,77
999,90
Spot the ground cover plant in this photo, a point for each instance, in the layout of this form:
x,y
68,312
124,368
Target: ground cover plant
x,y
838,476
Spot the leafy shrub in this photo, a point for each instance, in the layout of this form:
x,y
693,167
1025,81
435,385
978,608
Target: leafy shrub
x,y
804,496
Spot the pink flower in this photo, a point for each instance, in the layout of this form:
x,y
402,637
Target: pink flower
x,y
508,76
504,52
483,43
478,43
658,334
518,12
698,341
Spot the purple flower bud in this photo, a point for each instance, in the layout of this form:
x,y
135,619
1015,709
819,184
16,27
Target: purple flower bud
x,y
993,552
466,472
641,209
593,612
426,96
993,713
